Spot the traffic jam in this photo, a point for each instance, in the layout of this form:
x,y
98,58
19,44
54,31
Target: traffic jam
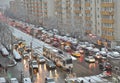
x,y
61,49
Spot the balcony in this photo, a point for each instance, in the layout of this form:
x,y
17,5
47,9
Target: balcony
x,y
107,13
78,17
108,37
45,11
87,11
57,0
68,10
107,29
58,5
67,5
59,10
88,31
77,5
108,21
87,18
88,25
77,11
107,5
87,4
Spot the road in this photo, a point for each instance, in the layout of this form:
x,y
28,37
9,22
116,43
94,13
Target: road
x,y
81,68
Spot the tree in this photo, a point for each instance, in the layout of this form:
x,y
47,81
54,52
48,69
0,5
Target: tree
x,y
5,35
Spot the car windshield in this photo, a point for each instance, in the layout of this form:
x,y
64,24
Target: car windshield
x,y
90,57
34,63
41,57
50,80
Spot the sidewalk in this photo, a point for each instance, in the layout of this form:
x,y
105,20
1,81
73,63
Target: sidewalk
x,y
6,62
12,62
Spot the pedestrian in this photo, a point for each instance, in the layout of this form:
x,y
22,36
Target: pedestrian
x,y
6,69
82,81
89,80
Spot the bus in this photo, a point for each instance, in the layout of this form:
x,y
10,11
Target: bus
x,y
16,55
61,58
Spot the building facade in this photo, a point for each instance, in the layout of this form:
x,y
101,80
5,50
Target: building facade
x,y
99,17
17,8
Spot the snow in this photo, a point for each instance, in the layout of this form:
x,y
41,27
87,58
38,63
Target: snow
x,y
29,39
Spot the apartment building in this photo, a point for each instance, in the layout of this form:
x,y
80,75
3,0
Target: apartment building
x,y
39,10
99,17
18,10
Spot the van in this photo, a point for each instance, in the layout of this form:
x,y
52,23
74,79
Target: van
x,y
14,80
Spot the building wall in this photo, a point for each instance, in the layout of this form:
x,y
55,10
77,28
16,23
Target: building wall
x,y
99,17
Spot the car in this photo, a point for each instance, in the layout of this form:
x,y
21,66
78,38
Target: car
x,y
35,66
26,55
3,80
89,59
114,54
76,54
49,80
104,75
41,59
34,55
97,56
27,80
48,41
14,80
67,48
50,65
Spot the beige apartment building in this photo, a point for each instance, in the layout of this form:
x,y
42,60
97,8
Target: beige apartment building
x,y
39,10
99,17
18,10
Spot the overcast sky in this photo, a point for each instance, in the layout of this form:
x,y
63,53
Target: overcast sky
x,y
4,2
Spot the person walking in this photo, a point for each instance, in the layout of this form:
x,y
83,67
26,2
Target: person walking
x,y
6,69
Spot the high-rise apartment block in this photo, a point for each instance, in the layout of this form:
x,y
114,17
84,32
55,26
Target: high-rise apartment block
x,y
99,17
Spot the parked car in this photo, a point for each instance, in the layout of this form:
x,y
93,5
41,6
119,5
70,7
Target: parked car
x,y
41,59
114,54
89,59
3,80
49,80
14,80
50,65
27,80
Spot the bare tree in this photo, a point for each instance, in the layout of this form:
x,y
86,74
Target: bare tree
x,y
5,35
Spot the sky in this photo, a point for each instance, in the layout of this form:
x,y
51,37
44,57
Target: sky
x,y
4,2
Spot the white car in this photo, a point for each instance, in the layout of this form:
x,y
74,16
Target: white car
x,y
34,64
114,54
90,59
41,59
14,80
3,80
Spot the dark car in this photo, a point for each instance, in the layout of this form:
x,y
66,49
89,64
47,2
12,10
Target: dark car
x,y
49,80
50,65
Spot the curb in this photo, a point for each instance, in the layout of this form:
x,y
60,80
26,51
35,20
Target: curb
x,y
11,65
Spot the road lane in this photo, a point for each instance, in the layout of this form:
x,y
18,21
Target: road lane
x,y
80,68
